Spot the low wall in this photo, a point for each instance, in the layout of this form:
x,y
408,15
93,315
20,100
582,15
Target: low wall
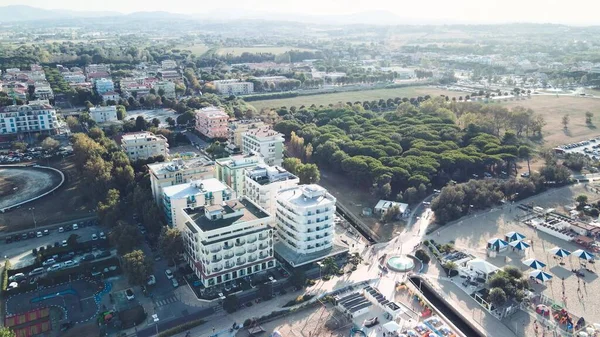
x,y
62,180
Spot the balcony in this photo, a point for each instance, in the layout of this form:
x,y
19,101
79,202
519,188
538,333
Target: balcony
x,y
252,249
240,253
217,269
228,256
252,240
229,265
215,250
227,247
240,262
261,247
215,260
240,243
263,256
252,258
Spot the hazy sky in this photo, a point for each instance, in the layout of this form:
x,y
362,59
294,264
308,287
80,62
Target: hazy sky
x,y
580,12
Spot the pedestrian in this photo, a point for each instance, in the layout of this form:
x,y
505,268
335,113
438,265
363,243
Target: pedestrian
x,y
438,233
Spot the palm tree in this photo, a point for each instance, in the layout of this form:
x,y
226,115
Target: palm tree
x,y
356,259
329,265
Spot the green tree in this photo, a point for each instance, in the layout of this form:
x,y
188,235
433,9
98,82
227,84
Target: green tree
x,y
588,117
171,121
6,332
109,209
525,153
498,297
18,146
329,265
582,200
392,214
291,165
140,123
125,237
170,243
308,173
72,240
137,267
155,122
50,144
121,112
565,121
231,303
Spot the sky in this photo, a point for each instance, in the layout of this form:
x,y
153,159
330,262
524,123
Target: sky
x,y
580,12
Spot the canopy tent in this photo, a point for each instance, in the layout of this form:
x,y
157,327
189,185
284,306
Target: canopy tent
x,y
540,275
560,252
482,267
582,254
497,244
514,236
392,326
535,264
520,245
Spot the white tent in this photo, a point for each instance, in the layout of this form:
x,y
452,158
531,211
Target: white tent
x,y
482,267
391,326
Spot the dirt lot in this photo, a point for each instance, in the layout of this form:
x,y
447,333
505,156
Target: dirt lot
x,y
67,203
553,108
21,184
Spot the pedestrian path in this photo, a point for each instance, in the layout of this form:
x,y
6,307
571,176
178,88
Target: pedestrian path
x,y
165,301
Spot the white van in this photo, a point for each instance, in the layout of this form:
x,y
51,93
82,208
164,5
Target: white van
x,y
75,226
36,271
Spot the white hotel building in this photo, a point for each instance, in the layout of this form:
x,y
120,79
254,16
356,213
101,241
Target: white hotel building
x,y
34,118
104,114
265,142
233,87
143,145
263,182
228,241
305,224
178,171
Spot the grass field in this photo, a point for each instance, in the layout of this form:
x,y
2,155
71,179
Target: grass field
x,y
236,51
196,49
553,109
352,96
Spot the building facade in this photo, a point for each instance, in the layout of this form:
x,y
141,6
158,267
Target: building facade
x,y
178,171
265,142
168,64
238,127
143,145
228,242
212,122
305,223
198,193
263,182
230,170
103,114
17,119
104,85
234,87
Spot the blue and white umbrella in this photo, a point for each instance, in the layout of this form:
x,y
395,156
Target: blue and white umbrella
x,y
582,254
560,252
497,243
514,236
535,264
520,245
540,275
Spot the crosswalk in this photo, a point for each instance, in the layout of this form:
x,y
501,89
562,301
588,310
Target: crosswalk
x,y
165,301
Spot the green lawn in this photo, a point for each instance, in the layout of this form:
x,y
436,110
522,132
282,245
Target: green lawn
x,y
237,51
352,96
196,49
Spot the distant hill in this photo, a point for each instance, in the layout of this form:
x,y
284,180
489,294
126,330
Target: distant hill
x,y
27,13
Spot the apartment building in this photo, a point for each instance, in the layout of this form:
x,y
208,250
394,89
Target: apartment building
x,y
97,68
265,142
73,77
305,224
36,118
104,85
212,122
168,64
238,127
43,91
103,114
167,87
198,193
234,87
262,183
170,75
143,145
228,241
230,170
178,171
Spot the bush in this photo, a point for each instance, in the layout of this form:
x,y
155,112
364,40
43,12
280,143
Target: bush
x,y
247,322
426,243
421,255
311,282
5,275
298,300
182,328
326,277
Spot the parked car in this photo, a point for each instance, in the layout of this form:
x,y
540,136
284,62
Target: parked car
x,y
69,263
94,237
48,262
88,257
39,234
64,243
102,236
17,277
33,280
55,267
151,280
175,283
169,274
24,236
129,294
36,271
61,229
13,285
46,232
75,226
31,235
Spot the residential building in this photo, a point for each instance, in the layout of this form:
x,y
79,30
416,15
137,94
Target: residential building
x,y
103,114
198,193
34,118
305,224
92,77
178,171
169,75
238,127
212,122
104,85
234,87
271,79
74,77
143,145
43,92
167,87
97,68
262,183
110,96
230,170
384,205
168,64
265,142
228,242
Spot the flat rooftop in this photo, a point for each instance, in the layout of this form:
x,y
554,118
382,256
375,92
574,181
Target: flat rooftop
x,y
194,187
264,133
249,212
306,195
179,165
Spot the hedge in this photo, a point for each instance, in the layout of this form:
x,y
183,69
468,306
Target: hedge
x,y
181,328
5,275
298,300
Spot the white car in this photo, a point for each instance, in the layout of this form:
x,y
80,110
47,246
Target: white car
x,y
129,294
169,274
61,229
175,283
55,267
17,277
64,243
151,280
48,262
68,264
13,285
102,236
39,234
94,237
75,226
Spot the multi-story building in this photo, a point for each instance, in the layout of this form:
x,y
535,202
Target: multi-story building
x,y
104,85
228,242
97,68
265,142
170,75
143,145
233,87
43,92
198,193
168,64
305,224
103,114
178,171
263,182
167,87
110,96
238,127
212,122
74,77
230,170
16,119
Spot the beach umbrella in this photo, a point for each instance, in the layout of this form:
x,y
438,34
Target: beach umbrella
x,y
560,252
497,243
582,254
514,236
520,245
535,264
540,275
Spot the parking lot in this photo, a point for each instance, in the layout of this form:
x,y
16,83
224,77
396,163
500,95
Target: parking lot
x,y
589,148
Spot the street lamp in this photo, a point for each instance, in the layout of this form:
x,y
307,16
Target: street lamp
x,y
320,266
33,214
155,319
63,298
272,281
